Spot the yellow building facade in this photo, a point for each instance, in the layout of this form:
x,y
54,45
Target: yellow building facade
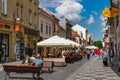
x,y
18,28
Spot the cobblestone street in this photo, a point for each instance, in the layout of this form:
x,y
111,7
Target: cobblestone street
x,y
94,70
81,70
60,73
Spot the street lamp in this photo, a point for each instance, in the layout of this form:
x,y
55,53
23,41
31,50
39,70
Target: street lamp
x,y
16,18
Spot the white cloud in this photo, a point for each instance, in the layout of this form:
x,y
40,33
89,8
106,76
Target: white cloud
x,y
103,23
103,20
49,3
70,9
90,20
103,30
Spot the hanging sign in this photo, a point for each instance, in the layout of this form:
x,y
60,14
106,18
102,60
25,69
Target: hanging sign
x,y
110,12
17,28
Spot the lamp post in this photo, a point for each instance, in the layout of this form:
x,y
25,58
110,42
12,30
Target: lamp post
x,y
16,18
17,41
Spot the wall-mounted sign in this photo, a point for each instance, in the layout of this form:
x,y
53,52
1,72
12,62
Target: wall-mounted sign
x,y
110,12
1,25
16,27
31,32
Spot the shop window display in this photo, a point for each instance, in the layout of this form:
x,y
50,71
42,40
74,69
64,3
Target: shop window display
x,y
4,47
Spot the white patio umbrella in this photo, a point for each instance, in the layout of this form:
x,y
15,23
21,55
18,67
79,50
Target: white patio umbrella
x,y
73,44
91,47
55,41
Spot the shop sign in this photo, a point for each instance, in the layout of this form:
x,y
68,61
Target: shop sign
x,y
110,12
4,26
1,25
16,27
31,32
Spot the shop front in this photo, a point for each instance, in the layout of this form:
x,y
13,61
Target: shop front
x,y
31,38
5,34
4,46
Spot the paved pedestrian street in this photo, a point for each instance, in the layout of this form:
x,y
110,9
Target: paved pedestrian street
x,y
94,70
81,70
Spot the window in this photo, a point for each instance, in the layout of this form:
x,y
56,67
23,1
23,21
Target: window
x,y
35,20
17,11
49,30
21,12
30,0
41,28
4,7
30,17
54,29
46,29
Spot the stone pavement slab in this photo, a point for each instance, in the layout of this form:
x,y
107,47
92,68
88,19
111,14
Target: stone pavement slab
x,y
59,73
94,70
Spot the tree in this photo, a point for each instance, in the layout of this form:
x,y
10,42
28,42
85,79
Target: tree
x,y
98,44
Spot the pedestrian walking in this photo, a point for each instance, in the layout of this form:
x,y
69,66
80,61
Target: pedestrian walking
x,y
98,53
111,56
105,58
88,54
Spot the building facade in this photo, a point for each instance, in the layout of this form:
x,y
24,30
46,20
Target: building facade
x,y
66,24
111,36
48,26
82,32
90,39
76,37
62,31
18,28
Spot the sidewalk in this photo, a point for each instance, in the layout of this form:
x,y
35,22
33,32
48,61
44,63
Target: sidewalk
x,y
94,70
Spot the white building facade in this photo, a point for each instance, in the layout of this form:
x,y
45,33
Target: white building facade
x,y
82,32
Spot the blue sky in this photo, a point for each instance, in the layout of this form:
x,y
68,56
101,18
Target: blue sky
x,y
87,13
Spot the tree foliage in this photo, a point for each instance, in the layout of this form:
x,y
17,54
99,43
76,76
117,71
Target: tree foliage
x,y
98,44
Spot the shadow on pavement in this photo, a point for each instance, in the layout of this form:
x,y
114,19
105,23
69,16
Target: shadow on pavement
x,y
26,78
114,67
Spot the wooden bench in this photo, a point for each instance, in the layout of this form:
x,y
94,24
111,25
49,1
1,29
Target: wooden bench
x,y
8,68
48,65
57,61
